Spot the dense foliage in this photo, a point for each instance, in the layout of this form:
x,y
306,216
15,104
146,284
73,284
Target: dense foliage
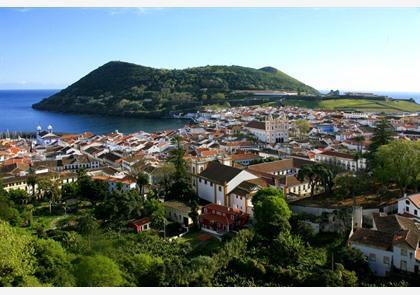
x,y
124,88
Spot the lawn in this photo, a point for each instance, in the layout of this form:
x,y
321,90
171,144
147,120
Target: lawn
x,y
202,243
357,105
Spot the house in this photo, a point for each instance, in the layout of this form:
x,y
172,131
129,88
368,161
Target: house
x,y
289,166
216,182
393,242
140,225
245,158
410,205
240,198
220,219
77,162
284,175
343,160
178,212
124,184
271,130
111,159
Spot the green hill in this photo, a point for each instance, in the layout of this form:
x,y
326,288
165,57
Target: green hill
x,y
120,88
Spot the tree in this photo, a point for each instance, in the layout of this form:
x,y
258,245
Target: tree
x,y
142,180
303,126
32,181
156,211
272,216
19,196
8,212
359,139
177,159
53,264
97,271
70,190
94,191
17,262
164,178
145,269
54,194
346,186
309,173
382,134
266,192
399,162
325,176
194,214
118,207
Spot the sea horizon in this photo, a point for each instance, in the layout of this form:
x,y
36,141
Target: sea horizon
x,y
22,118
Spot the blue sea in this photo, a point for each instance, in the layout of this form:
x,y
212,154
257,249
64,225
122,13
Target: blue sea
x,y
16,114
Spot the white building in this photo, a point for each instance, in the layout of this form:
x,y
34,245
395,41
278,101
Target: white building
x,y
343,160
227,186
410,205
271,130
392,242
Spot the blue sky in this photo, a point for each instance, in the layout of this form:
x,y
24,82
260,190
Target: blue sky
x,y
327,48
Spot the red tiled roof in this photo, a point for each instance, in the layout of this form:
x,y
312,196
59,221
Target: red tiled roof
x,y
217,218
141,221
415,199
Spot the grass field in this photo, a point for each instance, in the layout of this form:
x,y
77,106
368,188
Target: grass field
x,y
202,243
357,105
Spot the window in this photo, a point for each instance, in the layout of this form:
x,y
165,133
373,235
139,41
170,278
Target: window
x,y
199,180
372,257
220,188
403,252
205,181
415,211
407,209
407,202
386,260
403,265
211,183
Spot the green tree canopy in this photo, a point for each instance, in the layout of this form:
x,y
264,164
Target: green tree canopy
x,y
272,216
17,261
53,264
399,162
97,271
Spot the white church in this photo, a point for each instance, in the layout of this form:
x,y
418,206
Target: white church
x,y
272,130
46,137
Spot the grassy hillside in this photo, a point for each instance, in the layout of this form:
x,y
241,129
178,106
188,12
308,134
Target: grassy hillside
x,y
120,88
365,105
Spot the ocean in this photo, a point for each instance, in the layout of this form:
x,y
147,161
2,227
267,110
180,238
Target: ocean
x,y
17,114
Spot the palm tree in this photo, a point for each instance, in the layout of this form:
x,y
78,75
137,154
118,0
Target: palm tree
x,y
32,181
142,181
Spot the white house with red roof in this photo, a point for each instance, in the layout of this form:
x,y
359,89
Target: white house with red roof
x,y
344,160
410,205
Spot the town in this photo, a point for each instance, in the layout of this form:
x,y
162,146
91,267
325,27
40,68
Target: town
x,y
312,177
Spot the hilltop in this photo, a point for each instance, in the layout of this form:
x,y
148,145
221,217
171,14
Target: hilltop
x,y
120,88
